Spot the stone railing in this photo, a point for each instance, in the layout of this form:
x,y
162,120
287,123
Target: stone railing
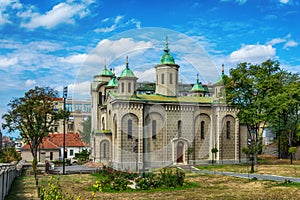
x,y
8,172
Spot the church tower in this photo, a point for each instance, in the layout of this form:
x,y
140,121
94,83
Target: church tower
x,y
167,74
127,82
198,90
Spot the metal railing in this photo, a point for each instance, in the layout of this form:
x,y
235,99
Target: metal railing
x,y
8,172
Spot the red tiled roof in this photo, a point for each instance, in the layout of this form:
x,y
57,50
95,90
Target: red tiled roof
x,y
47,144
72,140
54,141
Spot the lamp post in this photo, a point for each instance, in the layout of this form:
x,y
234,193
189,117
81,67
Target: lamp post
x,y
136,150
65,94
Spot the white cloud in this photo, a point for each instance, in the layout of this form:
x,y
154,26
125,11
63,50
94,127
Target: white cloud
x,y
30,83
118,22
6,62
78,90
284,1
248,53
276,41
62,13
75,59
290,43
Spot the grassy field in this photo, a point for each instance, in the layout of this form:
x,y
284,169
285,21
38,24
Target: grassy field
x,y
201,187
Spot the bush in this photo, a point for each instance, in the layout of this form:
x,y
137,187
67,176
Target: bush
x,y
9,154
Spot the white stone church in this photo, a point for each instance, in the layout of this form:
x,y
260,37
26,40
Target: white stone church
x,y
131,131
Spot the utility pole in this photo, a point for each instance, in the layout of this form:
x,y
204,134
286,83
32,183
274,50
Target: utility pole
x,y
65,95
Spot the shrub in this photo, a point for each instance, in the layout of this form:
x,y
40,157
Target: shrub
x,y
9,154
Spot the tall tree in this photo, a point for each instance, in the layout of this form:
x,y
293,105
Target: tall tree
x,y
33,116
86,130
251,87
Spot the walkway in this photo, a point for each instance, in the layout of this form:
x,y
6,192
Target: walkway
x,y
242,175
75,169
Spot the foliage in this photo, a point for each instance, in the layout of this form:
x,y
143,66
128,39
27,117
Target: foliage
x,y
85,133
54,191
9,154
112,180
214,150
82,156
252,89
33,116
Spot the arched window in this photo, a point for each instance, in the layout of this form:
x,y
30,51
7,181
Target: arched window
x,y
115,127
202,130
129,129
154,129
162,78
171,78
122,86
179,128
129,87
228,129
104,150
103,124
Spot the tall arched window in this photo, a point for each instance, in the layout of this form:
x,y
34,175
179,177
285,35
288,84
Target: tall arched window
x,y
115,127
228,129
162,78
129,129
122,86
179,128
103,124
129,87
104,150
202,130
171,78
154,129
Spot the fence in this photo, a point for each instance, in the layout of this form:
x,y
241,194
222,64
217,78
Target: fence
x,y
8,172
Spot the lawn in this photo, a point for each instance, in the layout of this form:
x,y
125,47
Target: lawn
x,y
201,186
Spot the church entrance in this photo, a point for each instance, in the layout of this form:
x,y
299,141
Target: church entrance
x,y
179,152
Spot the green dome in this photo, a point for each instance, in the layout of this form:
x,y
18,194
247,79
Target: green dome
x,y
106,72
127,72
113,82
220,80
167,58
198,88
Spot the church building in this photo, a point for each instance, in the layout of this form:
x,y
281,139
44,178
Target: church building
x,y
132,131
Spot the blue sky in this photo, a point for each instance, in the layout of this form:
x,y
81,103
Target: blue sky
x,y
66,42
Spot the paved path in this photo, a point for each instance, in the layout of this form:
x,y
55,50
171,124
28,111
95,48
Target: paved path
x,y
242,175
75,169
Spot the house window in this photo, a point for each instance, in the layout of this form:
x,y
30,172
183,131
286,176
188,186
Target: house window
x,y
55,129
154,129
129,87
228,129
71,152
162,78
115,123
202,130
171,78
87,108
103,124
78,107
69,107
129,129
179,128
51,155
122,85
104,150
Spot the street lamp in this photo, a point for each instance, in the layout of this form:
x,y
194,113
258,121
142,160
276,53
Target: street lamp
x,y
136,150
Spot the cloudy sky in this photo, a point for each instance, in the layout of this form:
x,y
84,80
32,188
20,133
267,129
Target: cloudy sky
x,y
66,42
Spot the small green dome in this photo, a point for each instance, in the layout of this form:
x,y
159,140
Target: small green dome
x,y
106,72
167,58
220,79
127,72
113,82
198,86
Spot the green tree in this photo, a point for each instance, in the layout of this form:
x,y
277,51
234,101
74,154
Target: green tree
x,y
251,88
33,116
285,121
86,130
9,154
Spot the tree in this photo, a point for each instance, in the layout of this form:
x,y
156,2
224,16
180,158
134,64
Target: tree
x,y
214,151
9,154
252,88
33,116
86,130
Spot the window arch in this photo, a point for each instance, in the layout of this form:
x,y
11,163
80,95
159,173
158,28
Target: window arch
x,y
129,87
171,78
103,124
154,129
228,129
179,128
162,78
129,125
202,129
122,87
104,149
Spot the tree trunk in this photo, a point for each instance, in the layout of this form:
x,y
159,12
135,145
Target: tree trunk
x,y
34,166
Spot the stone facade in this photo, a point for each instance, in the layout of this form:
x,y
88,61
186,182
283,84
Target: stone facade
x,y
134,131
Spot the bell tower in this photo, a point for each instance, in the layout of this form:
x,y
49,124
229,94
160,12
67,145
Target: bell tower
x,y
167,74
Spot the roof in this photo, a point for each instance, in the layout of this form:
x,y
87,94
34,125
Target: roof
x,y
55,141
167,58
164,99
106,72
198,87
127,72
113,82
